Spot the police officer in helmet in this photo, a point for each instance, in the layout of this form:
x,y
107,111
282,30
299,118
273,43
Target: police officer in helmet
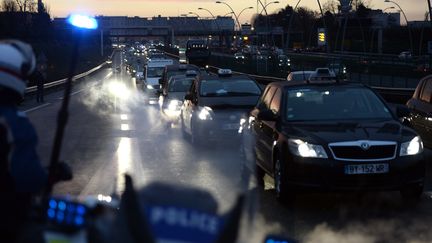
x,y
21,173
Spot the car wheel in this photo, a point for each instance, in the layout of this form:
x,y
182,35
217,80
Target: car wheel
x,y
412,193
280,182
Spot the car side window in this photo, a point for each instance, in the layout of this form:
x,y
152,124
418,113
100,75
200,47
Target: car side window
x,y
275,103
426,93
261,100
267,98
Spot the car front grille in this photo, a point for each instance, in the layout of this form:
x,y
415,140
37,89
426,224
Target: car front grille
x,y
364,150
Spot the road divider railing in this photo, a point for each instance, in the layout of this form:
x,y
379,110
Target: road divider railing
x,y
55,84
392,95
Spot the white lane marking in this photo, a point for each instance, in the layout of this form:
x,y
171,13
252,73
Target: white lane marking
x,y
37,107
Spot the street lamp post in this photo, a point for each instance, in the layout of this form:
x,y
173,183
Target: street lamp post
x,y
290,23
232,10
214,18
406,20
267,22
243,11
198,16
230,13
388,8
274,2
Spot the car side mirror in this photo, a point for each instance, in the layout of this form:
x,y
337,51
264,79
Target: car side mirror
x,y
188,96
402,111
267,115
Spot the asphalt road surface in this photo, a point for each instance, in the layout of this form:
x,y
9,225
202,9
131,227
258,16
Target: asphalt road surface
x,y
113,129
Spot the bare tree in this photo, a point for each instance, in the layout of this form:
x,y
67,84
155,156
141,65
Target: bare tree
x,y
357,3
8,6
26,5
331,6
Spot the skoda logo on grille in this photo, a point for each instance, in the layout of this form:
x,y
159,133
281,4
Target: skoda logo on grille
x,y
232,117
365,146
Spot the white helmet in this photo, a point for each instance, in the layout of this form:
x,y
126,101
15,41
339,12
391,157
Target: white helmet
x,y
17,63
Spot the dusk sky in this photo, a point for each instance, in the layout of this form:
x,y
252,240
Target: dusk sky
x,y
415,9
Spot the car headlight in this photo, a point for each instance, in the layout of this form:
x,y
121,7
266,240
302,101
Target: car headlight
x,y
306,150
174,105
150,87
204,113
413,147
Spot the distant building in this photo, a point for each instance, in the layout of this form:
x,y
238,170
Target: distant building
x,y
178,24
419,24
384,20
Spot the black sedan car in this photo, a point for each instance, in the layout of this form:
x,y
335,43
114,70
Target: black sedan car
x,y
334,136
215,106
421,110
176,69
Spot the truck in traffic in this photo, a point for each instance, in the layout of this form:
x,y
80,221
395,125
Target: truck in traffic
x,y
153,72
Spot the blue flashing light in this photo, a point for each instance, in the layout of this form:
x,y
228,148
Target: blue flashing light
x,y
62,206
71,208
51,213
60,216
82,21
79,220
80,210
69,219
52,203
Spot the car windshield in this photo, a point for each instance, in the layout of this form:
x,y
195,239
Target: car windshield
x,y
334,103
300,76
153,72
180,84
217,87
177,72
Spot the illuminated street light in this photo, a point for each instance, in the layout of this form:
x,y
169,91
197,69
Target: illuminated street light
x,y
406,19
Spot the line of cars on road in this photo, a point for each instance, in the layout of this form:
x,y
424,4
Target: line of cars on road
x,y
309,134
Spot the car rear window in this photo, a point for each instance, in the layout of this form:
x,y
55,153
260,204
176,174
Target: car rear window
x,y
334,103
242,87
180,85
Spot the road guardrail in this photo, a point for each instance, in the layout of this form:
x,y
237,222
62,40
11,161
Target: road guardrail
x,y
33,89
392,95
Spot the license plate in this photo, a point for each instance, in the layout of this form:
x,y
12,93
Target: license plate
x,y
366,169
232,126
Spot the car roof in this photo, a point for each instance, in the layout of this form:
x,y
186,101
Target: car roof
x,y
182,76
177,67
230,77
302,72
303,83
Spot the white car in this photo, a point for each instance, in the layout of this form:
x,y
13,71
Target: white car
x,y
405,55
322,74
299,75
